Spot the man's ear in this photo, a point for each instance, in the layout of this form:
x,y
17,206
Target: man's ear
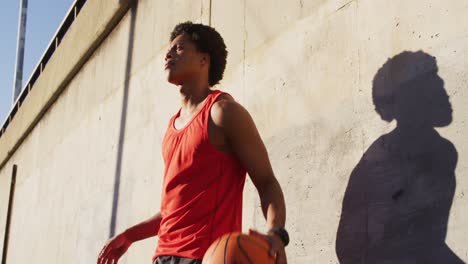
x,y
205,59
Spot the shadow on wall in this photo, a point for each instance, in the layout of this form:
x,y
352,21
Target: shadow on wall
x,y
397,202
123,120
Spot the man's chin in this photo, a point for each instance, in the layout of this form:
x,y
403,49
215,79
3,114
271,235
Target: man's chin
x,y
170,78
173,81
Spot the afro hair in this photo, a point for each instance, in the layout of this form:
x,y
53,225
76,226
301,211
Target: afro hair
x,y
207,40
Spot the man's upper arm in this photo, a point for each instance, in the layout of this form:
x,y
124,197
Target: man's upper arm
x,y
244,139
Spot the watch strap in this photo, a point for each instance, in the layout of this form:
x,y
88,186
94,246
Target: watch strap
x,y
281,233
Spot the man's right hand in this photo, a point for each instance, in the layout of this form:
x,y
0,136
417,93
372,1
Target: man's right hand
x,y
114,249
118,245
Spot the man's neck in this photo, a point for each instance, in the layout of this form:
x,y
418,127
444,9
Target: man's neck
x,y
192,94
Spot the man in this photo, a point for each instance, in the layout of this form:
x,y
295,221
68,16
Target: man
x,y
209,146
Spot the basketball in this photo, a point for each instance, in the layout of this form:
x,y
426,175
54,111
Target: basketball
x,y
240,249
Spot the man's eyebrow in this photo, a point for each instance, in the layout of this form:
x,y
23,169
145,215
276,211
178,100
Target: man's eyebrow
x,y
175,44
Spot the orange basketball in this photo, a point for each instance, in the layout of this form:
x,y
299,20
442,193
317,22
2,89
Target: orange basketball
x,y
240,249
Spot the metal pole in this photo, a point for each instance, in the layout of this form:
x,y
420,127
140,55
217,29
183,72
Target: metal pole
x,y
18,78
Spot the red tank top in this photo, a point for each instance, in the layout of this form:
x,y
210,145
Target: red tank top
x,y
202,189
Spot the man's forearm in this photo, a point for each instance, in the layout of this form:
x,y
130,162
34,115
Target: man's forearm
x,y
273,205
145,229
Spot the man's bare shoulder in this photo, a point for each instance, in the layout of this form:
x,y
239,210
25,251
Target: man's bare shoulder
x,y
226,109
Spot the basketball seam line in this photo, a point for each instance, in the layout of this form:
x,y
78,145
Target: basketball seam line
x,y
243,250
225,249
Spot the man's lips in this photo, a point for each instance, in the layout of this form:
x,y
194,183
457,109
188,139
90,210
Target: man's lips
x,y
168,65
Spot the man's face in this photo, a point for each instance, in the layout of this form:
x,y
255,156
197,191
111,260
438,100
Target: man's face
x,y
183,60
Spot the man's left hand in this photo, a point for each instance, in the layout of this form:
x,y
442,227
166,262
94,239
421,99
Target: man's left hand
x,y
276,246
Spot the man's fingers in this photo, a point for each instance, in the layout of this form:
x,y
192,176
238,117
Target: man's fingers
x,y
105,256
111,252
281,257
115,260
275,246
110,259
102,259
101,253
104,251
272,250
284,261
107,250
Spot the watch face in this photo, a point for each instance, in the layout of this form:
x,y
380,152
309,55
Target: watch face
x,y
282,234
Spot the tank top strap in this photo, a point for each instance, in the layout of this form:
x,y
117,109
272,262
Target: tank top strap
x,y
209,103
212,98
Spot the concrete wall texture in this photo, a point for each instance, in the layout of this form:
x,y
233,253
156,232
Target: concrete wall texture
x,y
362,105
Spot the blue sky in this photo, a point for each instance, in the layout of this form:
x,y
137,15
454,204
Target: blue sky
x,y
44,17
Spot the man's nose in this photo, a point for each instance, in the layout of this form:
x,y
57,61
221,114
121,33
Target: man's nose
x,y
168,55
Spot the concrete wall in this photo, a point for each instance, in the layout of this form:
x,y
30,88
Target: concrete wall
x,y
91,164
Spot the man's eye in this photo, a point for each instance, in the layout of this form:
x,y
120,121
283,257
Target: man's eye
x,y
180,48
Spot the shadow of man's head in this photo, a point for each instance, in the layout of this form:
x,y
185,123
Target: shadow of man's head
x,y
408,89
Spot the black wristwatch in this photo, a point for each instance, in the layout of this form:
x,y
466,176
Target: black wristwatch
x,y
281,233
